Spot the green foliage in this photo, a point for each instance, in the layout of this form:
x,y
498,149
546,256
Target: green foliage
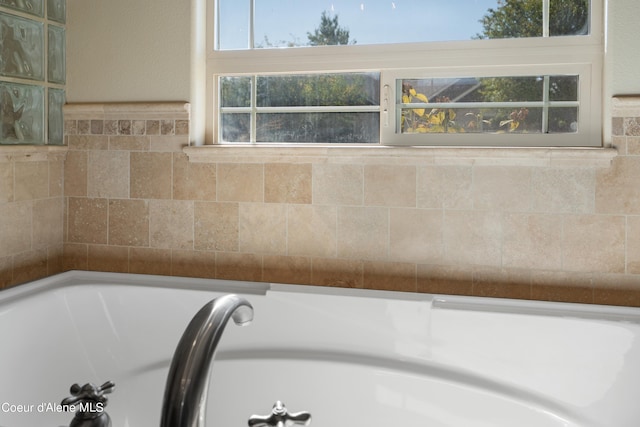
x,y
329,32
523,18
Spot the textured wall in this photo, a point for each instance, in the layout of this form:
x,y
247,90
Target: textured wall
x,y
531,223
31,212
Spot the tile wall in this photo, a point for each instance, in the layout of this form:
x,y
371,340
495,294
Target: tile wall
x,y
543,224
31,212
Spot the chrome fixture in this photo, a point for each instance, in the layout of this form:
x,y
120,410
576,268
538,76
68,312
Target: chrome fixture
x,y
88,403
185,395
280,417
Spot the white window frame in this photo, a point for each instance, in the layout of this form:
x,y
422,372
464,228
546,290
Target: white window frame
x,y
572,55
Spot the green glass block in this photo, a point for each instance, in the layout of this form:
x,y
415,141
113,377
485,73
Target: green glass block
x,y
21,114
33,7
21,47
56,119
57,10
56,71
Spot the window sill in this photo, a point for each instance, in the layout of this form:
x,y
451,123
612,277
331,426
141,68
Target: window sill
x,y
520,156
32,152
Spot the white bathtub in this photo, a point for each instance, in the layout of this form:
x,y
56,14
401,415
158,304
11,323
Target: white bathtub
x,y
349,357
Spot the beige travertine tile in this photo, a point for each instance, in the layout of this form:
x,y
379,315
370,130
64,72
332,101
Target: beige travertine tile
x,y
87,222
108,174
193,181
138,127
445,279
55,259
416,235
216,226
75,256
472,237
262,228
108,258
498,188
499,282
171,224
6,271
287,183
311,230
168,144
562,286
129,143
363,232
390,276
153,127
594,243
617,126
341,273
633,245
390,185
150,261
338,184
240,182
617,289
124,127
75,174
48,215
532,241
6,182
88,142
151,175
97,127
15,227
632,126
110,127
633,145
193,263
29,266
128,222
31,180
564,190
167,127
286,269
56,178
182,127
617,189
447,187
238,266
84,127
70,127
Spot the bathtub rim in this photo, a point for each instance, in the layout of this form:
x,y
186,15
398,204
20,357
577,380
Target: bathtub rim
x,y
73,278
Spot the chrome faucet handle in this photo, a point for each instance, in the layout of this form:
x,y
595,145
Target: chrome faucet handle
x,y
280,417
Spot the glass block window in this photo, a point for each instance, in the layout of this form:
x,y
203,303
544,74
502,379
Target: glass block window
x,y
32,71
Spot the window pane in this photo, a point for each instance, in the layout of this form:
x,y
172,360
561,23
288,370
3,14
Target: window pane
x,y
563,88
236,127
318,90
290,23
232,25
568,17
235,92
471,120
563,120
319,127
488,104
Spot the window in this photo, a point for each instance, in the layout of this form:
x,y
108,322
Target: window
x,y
32,71
406,72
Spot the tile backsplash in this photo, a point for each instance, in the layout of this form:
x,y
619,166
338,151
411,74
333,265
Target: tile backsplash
x,y
542,224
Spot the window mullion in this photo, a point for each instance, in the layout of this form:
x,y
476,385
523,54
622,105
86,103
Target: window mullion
x,y
545,106
254,108
252,22
545,17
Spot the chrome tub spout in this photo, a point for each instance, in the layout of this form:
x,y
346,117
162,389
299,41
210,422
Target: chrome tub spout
x,y
185,394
